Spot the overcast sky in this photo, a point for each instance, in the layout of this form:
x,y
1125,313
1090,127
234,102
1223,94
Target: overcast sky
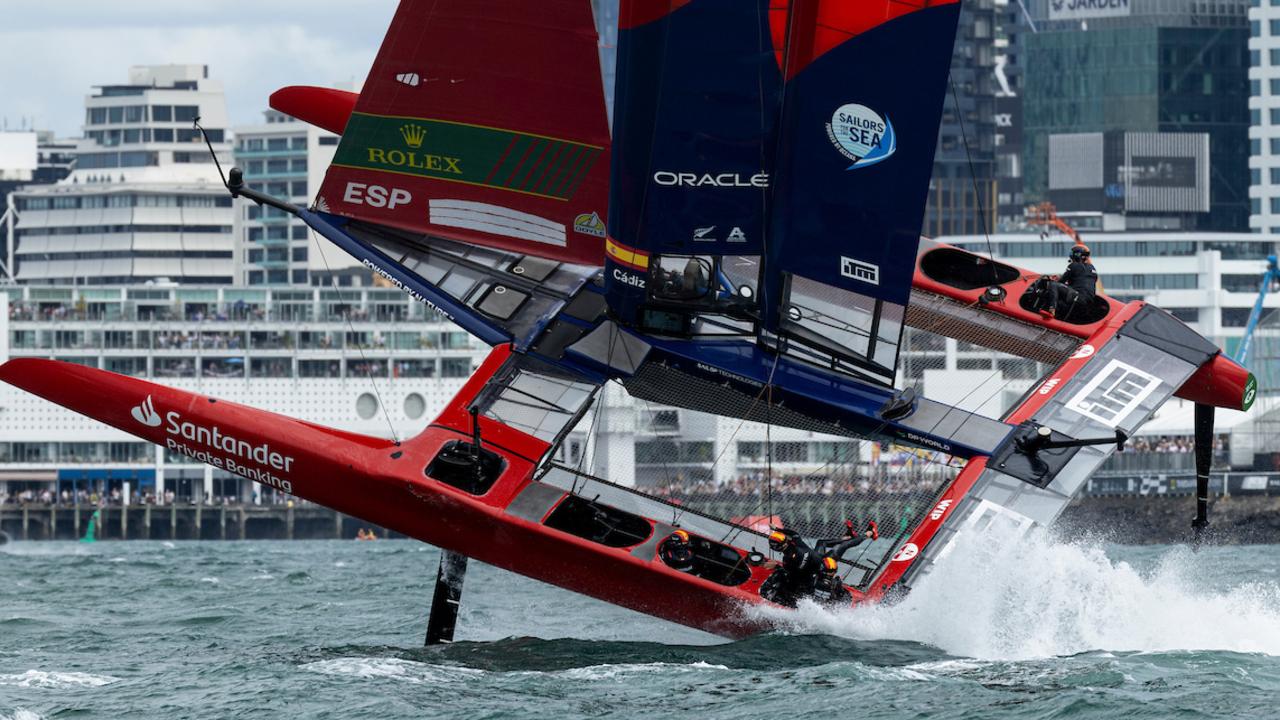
x,y
53,51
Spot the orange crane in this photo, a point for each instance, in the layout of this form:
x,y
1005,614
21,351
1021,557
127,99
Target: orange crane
x,y
1046,214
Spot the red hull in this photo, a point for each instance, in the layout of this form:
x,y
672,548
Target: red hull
x,y
382,483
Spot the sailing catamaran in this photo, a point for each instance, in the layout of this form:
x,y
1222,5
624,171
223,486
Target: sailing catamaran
x,y
745,242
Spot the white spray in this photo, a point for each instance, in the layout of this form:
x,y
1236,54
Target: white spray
x,y
1011,599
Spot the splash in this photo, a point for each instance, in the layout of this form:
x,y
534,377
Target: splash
x,y
1035,597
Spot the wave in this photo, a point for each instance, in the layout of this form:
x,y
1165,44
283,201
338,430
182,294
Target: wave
x,y
56,680
392,668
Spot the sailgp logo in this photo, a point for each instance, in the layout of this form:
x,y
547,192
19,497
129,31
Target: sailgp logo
x,y
146,413
862,135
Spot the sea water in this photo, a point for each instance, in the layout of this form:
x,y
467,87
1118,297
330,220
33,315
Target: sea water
x,y
1033,628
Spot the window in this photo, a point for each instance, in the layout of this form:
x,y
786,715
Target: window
x,y
298,143
298,164
299,188
1255,207
1275,146
97,116
162,113
186,135
164,135
1235,317
115,115
329,140
1255,58
1255,117
1255,176
255,234
277,232
1275,206
277,276
255,278
1255,146
277,166
278,143
66,203
299,277
185,113
255,255
299,254
299,232
1255,28
135,114
139,159
1275,176
1274,27
460,368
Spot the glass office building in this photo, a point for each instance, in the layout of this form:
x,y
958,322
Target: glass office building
x,y
1155,66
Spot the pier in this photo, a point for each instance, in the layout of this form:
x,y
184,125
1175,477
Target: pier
x,y
181,521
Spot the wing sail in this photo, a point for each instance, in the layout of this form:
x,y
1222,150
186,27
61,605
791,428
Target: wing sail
x,y
864,91
482,121
695,118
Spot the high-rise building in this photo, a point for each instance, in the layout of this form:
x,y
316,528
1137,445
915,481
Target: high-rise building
x,y
1136,113
1011,25
287,159
962,191
144,201
1264,118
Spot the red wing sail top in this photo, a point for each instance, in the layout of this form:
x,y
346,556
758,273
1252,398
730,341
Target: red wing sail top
x,y
482,121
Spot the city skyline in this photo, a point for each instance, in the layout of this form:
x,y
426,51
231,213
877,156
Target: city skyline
x,y
54,53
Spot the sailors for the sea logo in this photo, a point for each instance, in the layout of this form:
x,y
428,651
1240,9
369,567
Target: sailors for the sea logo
x,y
146,413
862,135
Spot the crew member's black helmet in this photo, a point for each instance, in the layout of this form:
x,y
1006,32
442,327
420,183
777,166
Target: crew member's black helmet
x,y
778,541
1079,253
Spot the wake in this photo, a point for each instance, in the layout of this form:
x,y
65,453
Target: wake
x,y
1037,597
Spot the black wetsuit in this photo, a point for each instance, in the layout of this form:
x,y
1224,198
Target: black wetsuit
x,y
1078,286
798,575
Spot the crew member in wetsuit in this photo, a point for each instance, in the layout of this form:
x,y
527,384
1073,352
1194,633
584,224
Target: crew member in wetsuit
x,y
799,572
830,589
1078,286
676,551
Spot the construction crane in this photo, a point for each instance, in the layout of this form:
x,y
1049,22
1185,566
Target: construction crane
x,y
1270,277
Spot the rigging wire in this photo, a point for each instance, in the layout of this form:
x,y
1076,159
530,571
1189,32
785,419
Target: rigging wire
x,y
973,177
346,313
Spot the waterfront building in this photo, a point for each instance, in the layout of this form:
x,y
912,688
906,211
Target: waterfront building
x,y
144,201
286,159
360,359
1136,112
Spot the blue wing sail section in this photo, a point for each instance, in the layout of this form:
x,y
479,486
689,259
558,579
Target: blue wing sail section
x,y
696,107
858,133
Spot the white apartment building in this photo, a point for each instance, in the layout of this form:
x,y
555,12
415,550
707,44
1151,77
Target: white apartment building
x,y
145,201
287,159
1264,116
